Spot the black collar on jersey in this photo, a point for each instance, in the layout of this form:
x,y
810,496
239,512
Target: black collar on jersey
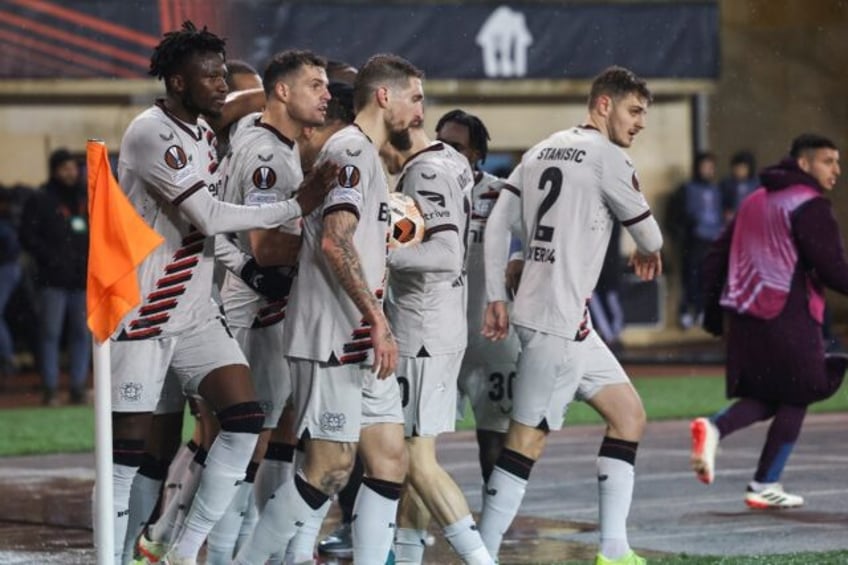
x,y
438,146
588,126
260,124
160,102
363,133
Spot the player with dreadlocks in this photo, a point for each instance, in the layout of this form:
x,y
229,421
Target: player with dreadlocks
x,y
175,341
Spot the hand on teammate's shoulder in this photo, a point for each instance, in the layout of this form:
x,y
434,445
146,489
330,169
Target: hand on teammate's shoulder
x,y
315,186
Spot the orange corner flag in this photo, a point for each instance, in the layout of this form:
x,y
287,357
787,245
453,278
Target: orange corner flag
x,y
119,241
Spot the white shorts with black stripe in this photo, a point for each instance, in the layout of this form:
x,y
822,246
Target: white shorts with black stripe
x,y
428,393
139,367
263,348
334,402
553,371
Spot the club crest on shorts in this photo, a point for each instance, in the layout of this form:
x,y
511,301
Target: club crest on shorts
x,y
348,176
175,157
332,421
264,178
131,392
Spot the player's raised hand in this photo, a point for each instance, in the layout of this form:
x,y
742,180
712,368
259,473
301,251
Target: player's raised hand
x,y
646,266
385,349
496,321
315,186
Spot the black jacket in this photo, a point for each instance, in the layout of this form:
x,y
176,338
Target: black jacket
x,y
54,231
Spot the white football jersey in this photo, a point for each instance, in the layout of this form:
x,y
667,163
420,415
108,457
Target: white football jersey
x,y
163,161
263,167
427,309
322,322
484,194
573,186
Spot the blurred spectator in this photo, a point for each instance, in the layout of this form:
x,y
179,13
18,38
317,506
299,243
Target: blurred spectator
x,y
605,306
10,274
741,182
702,219
54,231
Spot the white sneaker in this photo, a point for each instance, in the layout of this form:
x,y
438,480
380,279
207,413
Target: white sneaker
x,y
704,446
771,495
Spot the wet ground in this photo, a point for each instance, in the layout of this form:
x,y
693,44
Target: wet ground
x,y
45,501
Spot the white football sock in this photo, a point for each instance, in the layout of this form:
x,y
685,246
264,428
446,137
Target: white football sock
x,y
143,497
465,539
504,493
122,480
172,517
409,545
285,512
615,493
221,543
373,525
225,469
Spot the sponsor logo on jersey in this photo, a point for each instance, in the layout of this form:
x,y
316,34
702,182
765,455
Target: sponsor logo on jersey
x,y
436,215
425,176
265,158
175,157
482,208
434,197
168,137
348,176
356,153
541,254
264,178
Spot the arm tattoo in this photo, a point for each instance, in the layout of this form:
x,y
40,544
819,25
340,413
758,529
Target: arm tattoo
x,y
339,228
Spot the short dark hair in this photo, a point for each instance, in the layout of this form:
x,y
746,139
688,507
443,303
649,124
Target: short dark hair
x,y
380,70
618,82
238,67
340,106
178,46
286,62
810,142
340,71
478,135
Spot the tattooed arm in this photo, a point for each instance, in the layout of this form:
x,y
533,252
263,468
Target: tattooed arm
x,y
337,246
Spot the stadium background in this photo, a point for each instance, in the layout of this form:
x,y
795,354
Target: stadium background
x,y
728,74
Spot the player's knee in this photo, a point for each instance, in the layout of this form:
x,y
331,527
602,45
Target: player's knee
x,y
244,418
391,463
630,424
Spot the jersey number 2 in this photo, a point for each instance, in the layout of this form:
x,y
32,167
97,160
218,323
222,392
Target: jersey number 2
x,y
551,176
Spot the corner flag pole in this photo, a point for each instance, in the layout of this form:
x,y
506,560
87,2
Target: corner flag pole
x,y
104,528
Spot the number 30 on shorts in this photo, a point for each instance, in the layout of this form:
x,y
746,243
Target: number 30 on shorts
x,y
501,386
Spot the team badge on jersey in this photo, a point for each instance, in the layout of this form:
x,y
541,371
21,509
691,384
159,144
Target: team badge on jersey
x,y
348,176
264,178
175,157
434,197
635,181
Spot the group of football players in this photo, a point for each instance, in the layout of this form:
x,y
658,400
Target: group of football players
x,y
357,345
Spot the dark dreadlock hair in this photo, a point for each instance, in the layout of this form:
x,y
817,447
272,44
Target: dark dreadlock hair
x,y
177,46
478,135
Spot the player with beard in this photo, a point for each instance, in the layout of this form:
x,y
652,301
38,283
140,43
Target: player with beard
x,y
341,351
566,193
168,169
264,167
